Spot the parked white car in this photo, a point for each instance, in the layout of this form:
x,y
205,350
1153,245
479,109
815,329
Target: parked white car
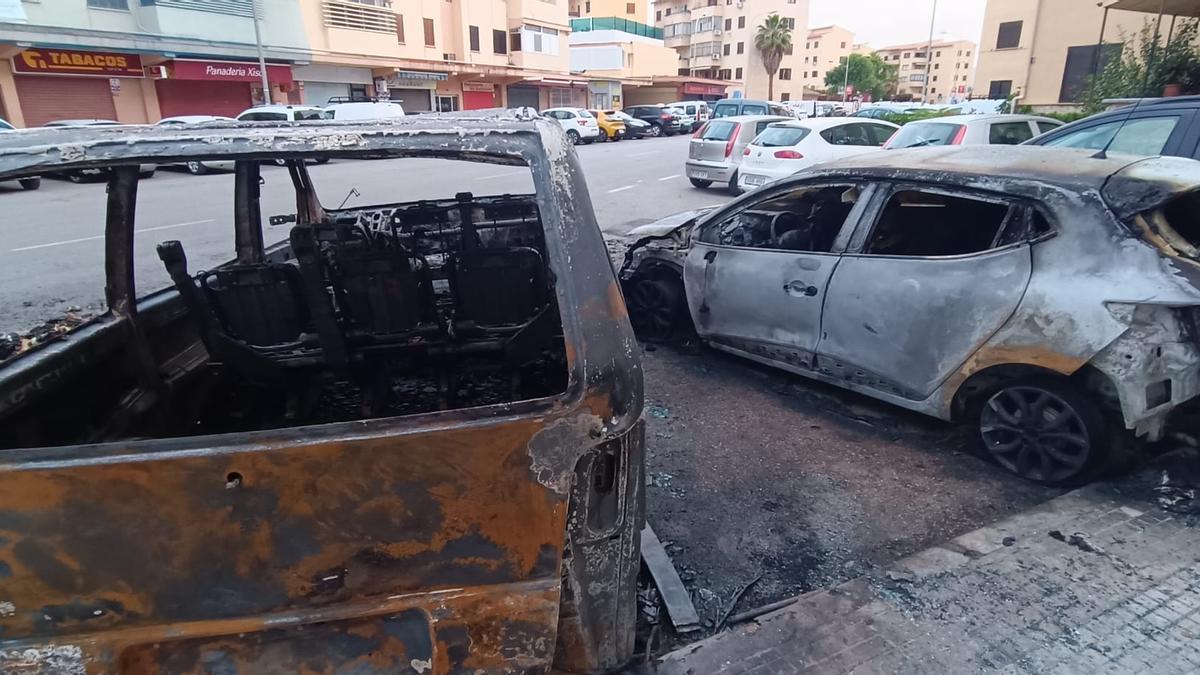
x,y
972,130
784,148
579,124
197,168
282,113
697,109
687,122
364,110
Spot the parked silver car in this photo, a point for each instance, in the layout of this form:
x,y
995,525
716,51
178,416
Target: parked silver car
x,y
715,152
1050,297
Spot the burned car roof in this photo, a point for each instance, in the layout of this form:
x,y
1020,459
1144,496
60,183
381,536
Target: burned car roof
x,y
493,138
1063,167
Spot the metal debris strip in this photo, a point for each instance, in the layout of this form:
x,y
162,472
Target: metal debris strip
x,y
675,596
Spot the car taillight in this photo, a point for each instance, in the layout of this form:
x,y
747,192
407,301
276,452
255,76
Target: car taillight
x,y
732,140
788,154
584,122
746,151
665,116
959,135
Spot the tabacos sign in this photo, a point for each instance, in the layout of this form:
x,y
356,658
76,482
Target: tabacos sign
x,y
71,62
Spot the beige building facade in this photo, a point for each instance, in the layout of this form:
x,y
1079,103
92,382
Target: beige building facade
x,y
824,49
947,66
1043,51
715,39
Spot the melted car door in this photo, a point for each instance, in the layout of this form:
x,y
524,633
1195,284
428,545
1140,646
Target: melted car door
x,y
937,274
756,276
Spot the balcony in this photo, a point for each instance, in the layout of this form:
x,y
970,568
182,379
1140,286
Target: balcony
x,y
376,16
614,23
678,40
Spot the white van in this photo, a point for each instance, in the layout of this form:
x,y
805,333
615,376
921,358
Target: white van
x,y
282,113
697,109
364,110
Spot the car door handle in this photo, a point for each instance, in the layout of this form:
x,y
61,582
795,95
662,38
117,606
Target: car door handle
x,y
799,288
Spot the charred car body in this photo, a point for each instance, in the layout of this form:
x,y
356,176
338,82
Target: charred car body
x,y
1039,294
404,439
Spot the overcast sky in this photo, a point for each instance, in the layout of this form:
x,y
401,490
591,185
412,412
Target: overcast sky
x,y
888,22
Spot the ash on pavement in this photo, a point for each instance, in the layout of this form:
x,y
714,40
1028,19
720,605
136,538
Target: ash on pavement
x,y
755,472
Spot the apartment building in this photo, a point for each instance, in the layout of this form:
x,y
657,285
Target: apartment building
x,y
137,61
1043,51
619,54
715,39
950,69
824,49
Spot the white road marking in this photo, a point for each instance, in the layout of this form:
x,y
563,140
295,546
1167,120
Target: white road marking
x,y
144,229
642,154
500,175
620,189
674,175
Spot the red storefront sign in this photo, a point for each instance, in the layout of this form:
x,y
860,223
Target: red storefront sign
x,y
70,62
704,89
227,71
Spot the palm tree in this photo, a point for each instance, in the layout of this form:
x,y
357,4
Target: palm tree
x,y
774,37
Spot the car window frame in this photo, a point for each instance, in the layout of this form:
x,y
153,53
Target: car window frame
x,y
888,189
1029,126
867,191
1176,142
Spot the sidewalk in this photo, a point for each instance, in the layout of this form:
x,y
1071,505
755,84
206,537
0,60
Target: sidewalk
x,y
1101,580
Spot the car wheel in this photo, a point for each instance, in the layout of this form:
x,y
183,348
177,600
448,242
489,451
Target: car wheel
x,y
655,130
30,183
655,305
700,183
323,160
197,168
1044,431
574,136
589,141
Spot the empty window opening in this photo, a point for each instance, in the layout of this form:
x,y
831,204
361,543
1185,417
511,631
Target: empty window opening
x,y
918,223
372,301
807,219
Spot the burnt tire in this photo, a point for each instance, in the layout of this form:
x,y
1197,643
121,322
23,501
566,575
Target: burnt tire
x,y
700,183
30,183
656,306
1046,431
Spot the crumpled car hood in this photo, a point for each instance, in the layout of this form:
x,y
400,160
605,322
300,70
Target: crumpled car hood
x,y
665,226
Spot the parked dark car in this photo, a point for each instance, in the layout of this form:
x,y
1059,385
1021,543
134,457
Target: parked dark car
x,y
634,128
662,121
1164,126
1048,298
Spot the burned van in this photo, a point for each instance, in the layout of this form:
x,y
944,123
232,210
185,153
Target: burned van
x,y
385,437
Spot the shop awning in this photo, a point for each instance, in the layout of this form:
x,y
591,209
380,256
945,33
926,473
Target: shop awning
x,y
555,81
1165,7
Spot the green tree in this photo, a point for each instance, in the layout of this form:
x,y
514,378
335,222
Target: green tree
x,y
869,74
774,37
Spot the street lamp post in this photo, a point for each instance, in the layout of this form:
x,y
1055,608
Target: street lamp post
x,y
929,54
846,80
262,61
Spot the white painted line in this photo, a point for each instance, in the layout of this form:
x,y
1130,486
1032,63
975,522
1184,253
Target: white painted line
x,y
674,175
500,175
144,229
642,154
620,189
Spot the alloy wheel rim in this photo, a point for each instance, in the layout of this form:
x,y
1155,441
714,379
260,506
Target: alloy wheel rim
x,y
1035,434
652,309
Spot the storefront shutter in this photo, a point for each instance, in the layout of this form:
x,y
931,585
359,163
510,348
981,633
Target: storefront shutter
x,y
412,100
48,98
202,97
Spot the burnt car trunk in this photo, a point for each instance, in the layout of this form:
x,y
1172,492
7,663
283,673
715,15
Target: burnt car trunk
x,y
404,440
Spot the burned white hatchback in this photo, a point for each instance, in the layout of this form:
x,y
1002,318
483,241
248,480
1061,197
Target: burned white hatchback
x,y
1048,296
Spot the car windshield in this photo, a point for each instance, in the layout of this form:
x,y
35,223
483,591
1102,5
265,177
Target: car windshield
x,y
774,137
917,135
263,117
586,113
725,110
1147,136
718,131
